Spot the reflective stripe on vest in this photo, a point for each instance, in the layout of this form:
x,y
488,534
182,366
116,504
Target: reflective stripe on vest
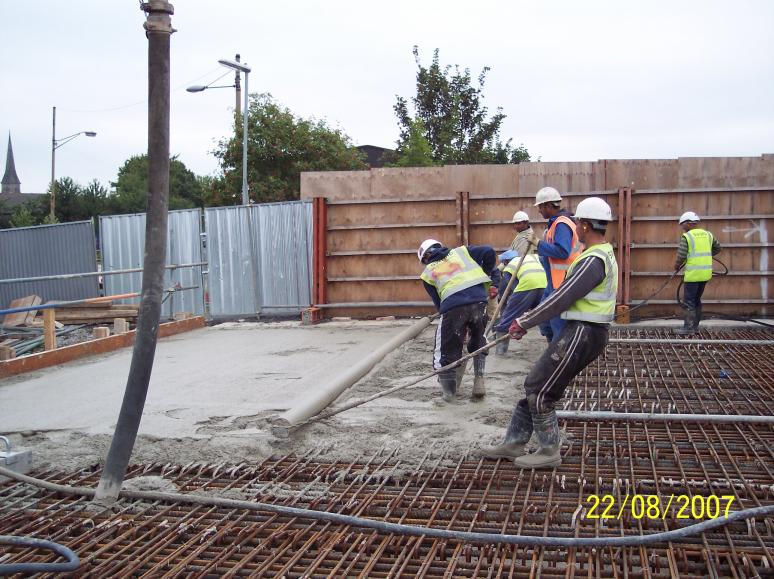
x,y
531,274
455,272
559,267
599,304
698,265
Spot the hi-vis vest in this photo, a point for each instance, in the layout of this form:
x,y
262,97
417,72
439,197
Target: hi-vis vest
x,y
559,267
455,272
599,304
698,266
531,274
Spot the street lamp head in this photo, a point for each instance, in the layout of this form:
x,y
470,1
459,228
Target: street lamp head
x,y
196,88
90,133
235,65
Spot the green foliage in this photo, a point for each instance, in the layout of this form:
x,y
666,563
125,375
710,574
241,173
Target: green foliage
x,y
280,146
23,217
131,194
416,150
456,122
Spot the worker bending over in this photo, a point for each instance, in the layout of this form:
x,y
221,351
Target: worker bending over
x,y
531,282
559,247
458,282
586,301
695,251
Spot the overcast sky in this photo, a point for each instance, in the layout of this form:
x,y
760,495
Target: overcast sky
x,y
578,80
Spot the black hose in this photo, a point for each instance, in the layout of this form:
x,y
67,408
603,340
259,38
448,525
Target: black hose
x,y
399,529
71,564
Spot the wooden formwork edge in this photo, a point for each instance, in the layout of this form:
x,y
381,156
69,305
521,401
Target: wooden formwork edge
x,y
99,346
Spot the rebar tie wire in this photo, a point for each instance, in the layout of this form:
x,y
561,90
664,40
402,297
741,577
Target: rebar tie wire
x,y
400,529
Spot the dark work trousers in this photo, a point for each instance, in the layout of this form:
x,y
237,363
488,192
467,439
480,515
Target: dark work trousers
x,y
450,334
553,327
518,303
692,292
576,347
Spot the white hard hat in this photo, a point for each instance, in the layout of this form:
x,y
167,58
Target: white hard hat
x,y
688,216
595,209
519,216
546,195
425,245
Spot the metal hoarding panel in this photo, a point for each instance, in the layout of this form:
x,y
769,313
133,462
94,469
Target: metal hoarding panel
x,y
48,250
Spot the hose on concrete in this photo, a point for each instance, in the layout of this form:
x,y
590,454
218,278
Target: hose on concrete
x,y
412,530
71,564
282,429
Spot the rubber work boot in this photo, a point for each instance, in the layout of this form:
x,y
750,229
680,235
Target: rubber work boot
x,y
479,388
547,432
501,349
448,385
696,319
518,434
687,328
459,374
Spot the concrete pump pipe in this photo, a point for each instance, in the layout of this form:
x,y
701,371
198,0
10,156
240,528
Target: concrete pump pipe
x,y
329,392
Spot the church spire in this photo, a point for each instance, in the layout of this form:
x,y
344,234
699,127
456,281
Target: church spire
x,y
10,183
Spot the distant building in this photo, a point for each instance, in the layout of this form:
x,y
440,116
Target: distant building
x,y
374,155
10,190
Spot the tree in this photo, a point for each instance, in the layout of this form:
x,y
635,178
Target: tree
x,y
456,122
23,217
416,151
280,146
131,194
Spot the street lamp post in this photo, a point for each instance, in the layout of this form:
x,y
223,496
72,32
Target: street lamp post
x,y
55,144
238,67
246,69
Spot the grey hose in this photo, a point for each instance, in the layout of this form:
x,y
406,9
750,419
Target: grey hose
x,y
398,529
71,564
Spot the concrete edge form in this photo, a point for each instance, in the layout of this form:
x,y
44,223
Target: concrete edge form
x,y
329,392
90,348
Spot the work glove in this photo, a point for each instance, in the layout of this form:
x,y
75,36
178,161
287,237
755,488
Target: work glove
x,y
516,331
492,292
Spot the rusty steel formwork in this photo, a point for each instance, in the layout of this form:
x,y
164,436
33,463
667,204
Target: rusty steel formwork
x,y
455,491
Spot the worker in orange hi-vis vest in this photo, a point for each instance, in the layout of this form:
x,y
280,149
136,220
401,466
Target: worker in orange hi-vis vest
x,y
559,247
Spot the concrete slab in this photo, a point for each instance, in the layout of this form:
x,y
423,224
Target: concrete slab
x,y
199,377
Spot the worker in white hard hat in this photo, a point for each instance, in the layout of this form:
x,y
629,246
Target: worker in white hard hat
x,y
586,301
459,283
524,233
559,247
531,282
695,251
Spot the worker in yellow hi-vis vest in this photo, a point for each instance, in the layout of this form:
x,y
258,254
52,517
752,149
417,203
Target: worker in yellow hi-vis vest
x,y
586,300
695,251
459,283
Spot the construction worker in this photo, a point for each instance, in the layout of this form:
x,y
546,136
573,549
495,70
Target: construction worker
x,y
459,284
524,233
695,251
525,295
586,301
559,247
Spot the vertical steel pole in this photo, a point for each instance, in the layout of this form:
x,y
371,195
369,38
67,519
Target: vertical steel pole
x,y
245,195
238,87
52,200
158,26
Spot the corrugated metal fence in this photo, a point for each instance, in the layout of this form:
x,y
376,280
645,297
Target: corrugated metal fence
x,y
123,247
259,258
48,250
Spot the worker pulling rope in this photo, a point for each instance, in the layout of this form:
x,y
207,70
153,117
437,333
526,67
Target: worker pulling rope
x,y
412,530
